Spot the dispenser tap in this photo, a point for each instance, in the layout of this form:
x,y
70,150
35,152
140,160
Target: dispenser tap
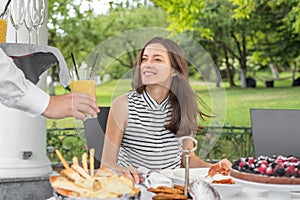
x,y
26,154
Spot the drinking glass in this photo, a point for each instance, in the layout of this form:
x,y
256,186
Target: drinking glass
x,y
3,30
83,81
38,16
17,15
28,21
3,27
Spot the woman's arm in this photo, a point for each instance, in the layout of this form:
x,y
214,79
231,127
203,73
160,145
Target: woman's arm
x,y
116,124
196,162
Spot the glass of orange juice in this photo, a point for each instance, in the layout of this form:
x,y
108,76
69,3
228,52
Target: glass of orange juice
x,y
83,81
3,30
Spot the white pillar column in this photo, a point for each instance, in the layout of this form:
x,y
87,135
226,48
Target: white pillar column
x,y
20,133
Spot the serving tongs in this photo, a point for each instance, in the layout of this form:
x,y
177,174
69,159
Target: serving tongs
x,y
187,152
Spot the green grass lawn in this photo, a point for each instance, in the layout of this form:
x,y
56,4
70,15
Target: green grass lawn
x,y
237,101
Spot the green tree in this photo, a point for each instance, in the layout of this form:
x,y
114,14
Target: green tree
x,y
239,28
122,19
279,43
213,22
72,29
68,26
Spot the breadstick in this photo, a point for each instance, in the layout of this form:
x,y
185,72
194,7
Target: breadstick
x,y
84,162
75,160
92,154
62,159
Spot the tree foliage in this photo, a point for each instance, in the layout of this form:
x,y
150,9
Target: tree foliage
x,y
73,29
267,31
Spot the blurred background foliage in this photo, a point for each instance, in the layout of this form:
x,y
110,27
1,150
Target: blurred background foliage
x,y
241,36
257,39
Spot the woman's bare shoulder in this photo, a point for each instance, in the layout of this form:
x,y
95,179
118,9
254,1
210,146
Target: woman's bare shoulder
x,y
119,111
120,102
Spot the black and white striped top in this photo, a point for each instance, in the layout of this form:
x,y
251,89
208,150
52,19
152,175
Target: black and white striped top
x,y
146,142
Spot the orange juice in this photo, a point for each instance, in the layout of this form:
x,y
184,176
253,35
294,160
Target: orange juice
x,y
84,86
3,29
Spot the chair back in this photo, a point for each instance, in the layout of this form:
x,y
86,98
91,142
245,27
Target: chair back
x,y
95,133
276,131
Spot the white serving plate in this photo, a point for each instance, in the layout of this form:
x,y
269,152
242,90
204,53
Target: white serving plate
x,y
271,187
225,190
275,191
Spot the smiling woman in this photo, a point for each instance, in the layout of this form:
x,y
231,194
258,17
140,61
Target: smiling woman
x,y
144,125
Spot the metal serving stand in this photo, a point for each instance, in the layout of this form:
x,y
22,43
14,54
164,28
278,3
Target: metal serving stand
x,y
187,152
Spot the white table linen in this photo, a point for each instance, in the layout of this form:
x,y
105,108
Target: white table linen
x,y
246,194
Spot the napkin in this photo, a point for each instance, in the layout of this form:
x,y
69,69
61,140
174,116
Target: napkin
x,y
154,178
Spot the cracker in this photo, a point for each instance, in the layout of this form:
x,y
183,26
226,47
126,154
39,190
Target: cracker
x,y
164,196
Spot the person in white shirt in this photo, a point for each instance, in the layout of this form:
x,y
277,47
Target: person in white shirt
x,y
18,92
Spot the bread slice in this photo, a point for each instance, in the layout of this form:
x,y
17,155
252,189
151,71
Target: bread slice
x,y
65,184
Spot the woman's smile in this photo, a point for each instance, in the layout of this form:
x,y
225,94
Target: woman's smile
x,y
149,73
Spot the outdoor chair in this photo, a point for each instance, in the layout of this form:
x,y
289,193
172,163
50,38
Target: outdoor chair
x,y
95,133
276,131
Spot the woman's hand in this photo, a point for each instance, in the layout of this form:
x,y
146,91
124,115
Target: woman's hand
x,y
131,173
222,167
226,163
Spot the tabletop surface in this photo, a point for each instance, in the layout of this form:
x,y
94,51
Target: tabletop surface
x,y
246,194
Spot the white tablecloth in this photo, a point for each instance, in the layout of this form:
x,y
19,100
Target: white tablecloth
x,y
258,194
246,194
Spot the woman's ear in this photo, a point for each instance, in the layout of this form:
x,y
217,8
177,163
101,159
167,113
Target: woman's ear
x,y
173,73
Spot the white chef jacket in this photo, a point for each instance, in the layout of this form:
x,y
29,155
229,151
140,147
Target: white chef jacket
x,y
18,92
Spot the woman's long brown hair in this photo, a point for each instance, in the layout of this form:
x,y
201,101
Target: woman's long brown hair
x,y
182,97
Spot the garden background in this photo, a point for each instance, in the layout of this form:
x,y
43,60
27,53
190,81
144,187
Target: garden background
x,y
247,40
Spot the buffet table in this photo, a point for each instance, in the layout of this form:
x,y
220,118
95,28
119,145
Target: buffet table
x,y
240,190
246,194
257,194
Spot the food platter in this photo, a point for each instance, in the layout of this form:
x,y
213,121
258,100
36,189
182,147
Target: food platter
x,y
225,190
63,197
62,194
81,182
178,175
